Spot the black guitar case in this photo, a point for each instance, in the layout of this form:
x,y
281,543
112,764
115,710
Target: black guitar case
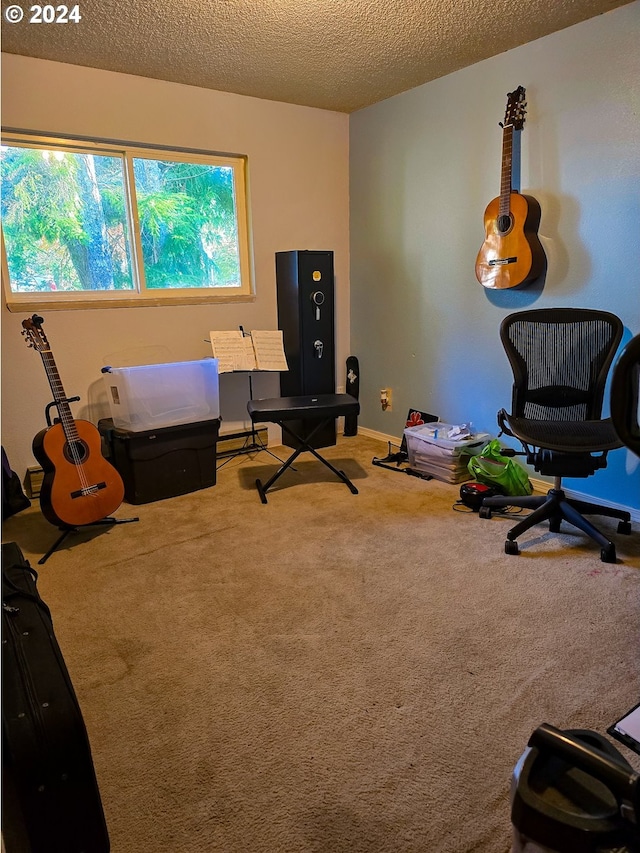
x,y
50,797
352,387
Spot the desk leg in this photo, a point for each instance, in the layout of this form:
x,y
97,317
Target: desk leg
x,y
304,446
340,474
264,488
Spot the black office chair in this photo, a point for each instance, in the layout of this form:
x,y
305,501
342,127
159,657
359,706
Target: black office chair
x,y
625,396
560,358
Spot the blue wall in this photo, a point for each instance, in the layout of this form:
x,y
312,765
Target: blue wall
x,y
423,167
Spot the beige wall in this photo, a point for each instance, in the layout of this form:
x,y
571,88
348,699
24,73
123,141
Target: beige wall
x,y
299,196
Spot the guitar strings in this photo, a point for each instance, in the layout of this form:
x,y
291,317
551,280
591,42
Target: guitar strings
x,y
68,423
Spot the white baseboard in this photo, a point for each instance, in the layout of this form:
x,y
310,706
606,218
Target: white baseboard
x,y
542,486
371,433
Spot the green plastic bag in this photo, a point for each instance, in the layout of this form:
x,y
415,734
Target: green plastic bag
x,y
506,473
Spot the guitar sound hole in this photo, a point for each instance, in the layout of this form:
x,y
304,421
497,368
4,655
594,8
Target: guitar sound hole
x,y
76,452
504,224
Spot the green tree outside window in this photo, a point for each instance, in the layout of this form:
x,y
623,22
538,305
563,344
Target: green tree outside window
x,y
112,222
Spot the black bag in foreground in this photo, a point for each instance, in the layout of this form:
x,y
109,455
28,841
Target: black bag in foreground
x,y
13,498
50,797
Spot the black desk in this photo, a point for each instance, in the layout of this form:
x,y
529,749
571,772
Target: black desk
x,y
321,408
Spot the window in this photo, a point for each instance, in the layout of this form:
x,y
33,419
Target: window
x,y
90,223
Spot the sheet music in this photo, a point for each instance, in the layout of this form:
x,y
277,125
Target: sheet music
x,y
269,350
236,350
233,350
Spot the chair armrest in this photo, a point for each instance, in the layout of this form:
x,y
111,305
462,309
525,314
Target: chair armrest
x,y
503,422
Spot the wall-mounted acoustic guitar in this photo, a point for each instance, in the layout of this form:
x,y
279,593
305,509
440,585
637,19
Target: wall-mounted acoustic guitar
x,y
511,254
80,486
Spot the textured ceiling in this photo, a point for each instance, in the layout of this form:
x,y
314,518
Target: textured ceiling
x,y
334,54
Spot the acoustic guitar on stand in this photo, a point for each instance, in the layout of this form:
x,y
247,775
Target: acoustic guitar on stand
x,y
80,486
511,254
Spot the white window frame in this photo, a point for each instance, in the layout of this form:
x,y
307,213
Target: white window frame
x,y
140,296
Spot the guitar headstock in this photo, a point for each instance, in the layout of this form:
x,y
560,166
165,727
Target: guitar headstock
x,y
36,338
515,112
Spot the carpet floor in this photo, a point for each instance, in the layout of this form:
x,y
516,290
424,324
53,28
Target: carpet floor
x,y
329,672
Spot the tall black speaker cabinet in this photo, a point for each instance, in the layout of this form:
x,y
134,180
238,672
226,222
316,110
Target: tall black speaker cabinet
x,y
305,289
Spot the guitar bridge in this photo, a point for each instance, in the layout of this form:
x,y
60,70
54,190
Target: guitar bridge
x,y
88,490
495,262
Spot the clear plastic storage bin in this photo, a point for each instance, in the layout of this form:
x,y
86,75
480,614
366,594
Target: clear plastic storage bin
x,y
432,451
159,395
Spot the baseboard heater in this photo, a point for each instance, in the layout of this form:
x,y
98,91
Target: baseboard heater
x,y
33,481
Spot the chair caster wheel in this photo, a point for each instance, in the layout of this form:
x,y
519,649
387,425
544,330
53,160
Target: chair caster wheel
x,y
485,512
554,526
624,527
608,554
511,547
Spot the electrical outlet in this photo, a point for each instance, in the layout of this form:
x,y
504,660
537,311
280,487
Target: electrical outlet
x,y
340,389
385,399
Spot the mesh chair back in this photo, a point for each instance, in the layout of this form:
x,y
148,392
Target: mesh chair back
x,y
560,358
625,395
